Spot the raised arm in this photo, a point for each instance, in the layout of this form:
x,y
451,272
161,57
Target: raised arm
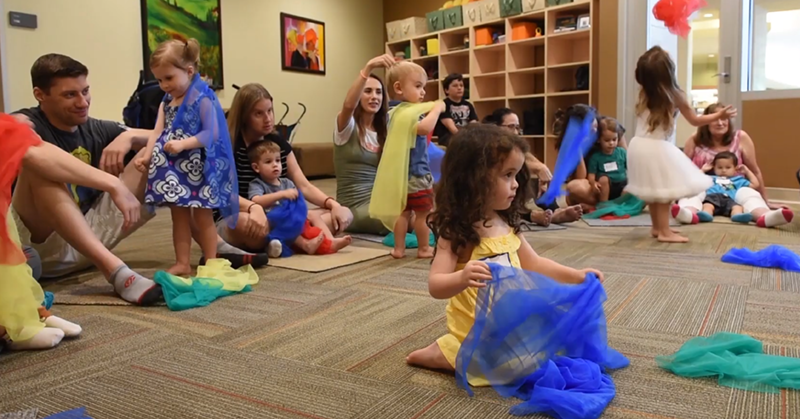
x,y
428,123
354,93
699,120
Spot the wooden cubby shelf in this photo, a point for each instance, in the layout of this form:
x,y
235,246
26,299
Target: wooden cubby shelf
x,y
534,77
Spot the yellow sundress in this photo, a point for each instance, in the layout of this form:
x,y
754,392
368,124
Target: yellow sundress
x,y
461,308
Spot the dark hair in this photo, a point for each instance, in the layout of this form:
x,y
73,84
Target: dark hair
x,y
655,73
379,121
49,67
562,119
461,195
723,155
450,79
497,116
259,148
703,137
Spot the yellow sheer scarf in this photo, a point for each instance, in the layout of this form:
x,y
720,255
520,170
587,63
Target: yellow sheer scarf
x,y
390,190
20,296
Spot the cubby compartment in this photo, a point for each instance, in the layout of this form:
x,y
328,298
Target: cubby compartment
x,y
563,79
526,82
431,66
489,34
489,86
454,62
453,40
486,60
528,53
570,11
485,107
531,115
571,47
420,45
404,46
433,90
518,26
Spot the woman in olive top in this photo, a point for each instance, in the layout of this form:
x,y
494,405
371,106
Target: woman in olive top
x,y
359,133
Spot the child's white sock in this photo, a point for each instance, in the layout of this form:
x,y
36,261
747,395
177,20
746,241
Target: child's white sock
x,y
683,215
133,287
47,338
69,328
775,218
274,249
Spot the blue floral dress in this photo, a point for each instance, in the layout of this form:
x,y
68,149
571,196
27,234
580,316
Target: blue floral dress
x,y
179,179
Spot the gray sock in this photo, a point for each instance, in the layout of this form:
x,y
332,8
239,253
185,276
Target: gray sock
x,y
224,247
133,287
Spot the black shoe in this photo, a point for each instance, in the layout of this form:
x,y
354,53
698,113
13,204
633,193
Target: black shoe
x,y
256,260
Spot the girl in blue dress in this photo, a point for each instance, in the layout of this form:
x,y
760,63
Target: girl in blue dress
x,y
189,157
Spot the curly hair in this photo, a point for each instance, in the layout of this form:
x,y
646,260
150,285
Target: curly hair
x,y
474,156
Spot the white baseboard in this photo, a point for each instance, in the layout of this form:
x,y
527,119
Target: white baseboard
x,y
783,194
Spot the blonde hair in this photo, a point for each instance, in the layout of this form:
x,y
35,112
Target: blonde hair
x,y
177,53
243,102
655,73
401,70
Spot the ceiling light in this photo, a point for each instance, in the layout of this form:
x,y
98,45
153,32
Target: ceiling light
x,y
711,55
708,15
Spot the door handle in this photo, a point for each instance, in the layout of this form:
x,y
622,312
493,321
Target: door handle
x,y
726,70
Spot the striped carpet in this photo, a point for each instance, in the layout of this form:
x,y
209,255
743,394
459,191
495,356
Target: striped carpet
x,y
332,344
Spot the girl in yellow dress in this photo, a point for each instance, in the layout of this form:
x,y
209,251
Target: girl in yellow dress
x,y
478,201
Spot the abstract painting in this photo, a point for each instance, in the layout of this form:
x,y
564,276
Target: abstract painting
x,y
302,44
163,20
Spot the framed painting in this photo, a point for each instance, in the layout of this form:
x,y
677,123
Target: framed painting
x,y
302,44
163,20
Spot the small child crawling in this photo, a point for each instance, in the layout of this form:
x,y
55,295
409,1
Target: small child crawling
x,y
269,190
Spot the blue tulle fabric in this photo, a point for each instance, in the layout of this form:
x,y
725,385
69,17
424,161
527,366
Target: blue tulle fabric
x,y
79,413
435,157
542,342
286,222
772,256
578,140
211,129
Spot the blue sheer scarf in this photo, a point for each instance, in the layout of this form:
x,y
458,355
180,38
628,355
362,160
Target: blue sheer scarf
x,y
578,140
542,342
200,115
286,222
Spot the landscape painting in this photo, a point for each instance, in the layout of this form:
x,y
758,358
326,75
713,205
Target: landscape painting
x,y
163,20
302,44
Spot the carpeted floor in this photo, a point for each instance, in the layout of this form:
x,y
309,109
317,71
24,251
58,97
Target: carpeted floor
x,y
332,344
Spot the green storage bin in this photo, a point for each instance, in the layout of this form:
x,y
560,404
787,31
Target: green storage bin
x,y
453,17
558,2
510,8
435,20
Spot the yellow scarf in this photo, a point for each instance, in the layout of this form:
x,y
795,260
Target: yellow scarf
x,y
390,190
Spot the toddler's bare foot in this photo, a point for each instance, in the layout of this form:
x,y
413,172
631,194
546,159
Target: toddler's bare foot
x,y
654,232
672,237
568,215
339,243
310,246
180,269
430,357
398,253
425,252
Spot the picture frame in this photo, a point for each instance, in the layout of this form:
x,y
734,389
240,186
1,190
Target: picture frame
x,y
163,20
584,22
302,44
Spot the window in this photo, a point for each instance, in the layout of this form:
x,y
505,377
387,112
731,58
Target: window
x,y
775,50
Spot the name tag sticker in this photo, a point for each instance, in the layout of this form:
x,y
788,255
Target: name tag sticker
x,y
610,166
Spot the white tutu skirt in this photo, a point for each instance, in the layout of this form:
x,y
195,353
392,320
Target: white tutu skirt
x,y
659,172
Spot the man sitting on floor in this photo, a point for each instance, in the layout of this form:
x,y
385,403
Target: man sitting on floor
x,y
73,225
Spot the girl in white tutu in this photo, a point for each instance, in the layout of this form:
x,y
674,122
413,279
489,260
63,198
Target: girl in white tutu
x,y
658,172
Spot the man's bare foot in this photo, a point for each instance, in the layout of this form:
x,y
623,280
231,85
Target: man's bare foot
x,y
568,215
430,357
542,218
180,269
398,253
672,237
310,246
425,252
339,243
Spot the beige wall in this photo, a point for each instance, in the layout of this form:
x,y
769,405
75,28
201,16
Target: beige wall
x,y
106,36
771,124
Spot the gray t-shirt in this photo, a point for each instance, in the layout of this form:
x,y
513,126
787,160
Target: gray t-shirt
x,y
258,187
